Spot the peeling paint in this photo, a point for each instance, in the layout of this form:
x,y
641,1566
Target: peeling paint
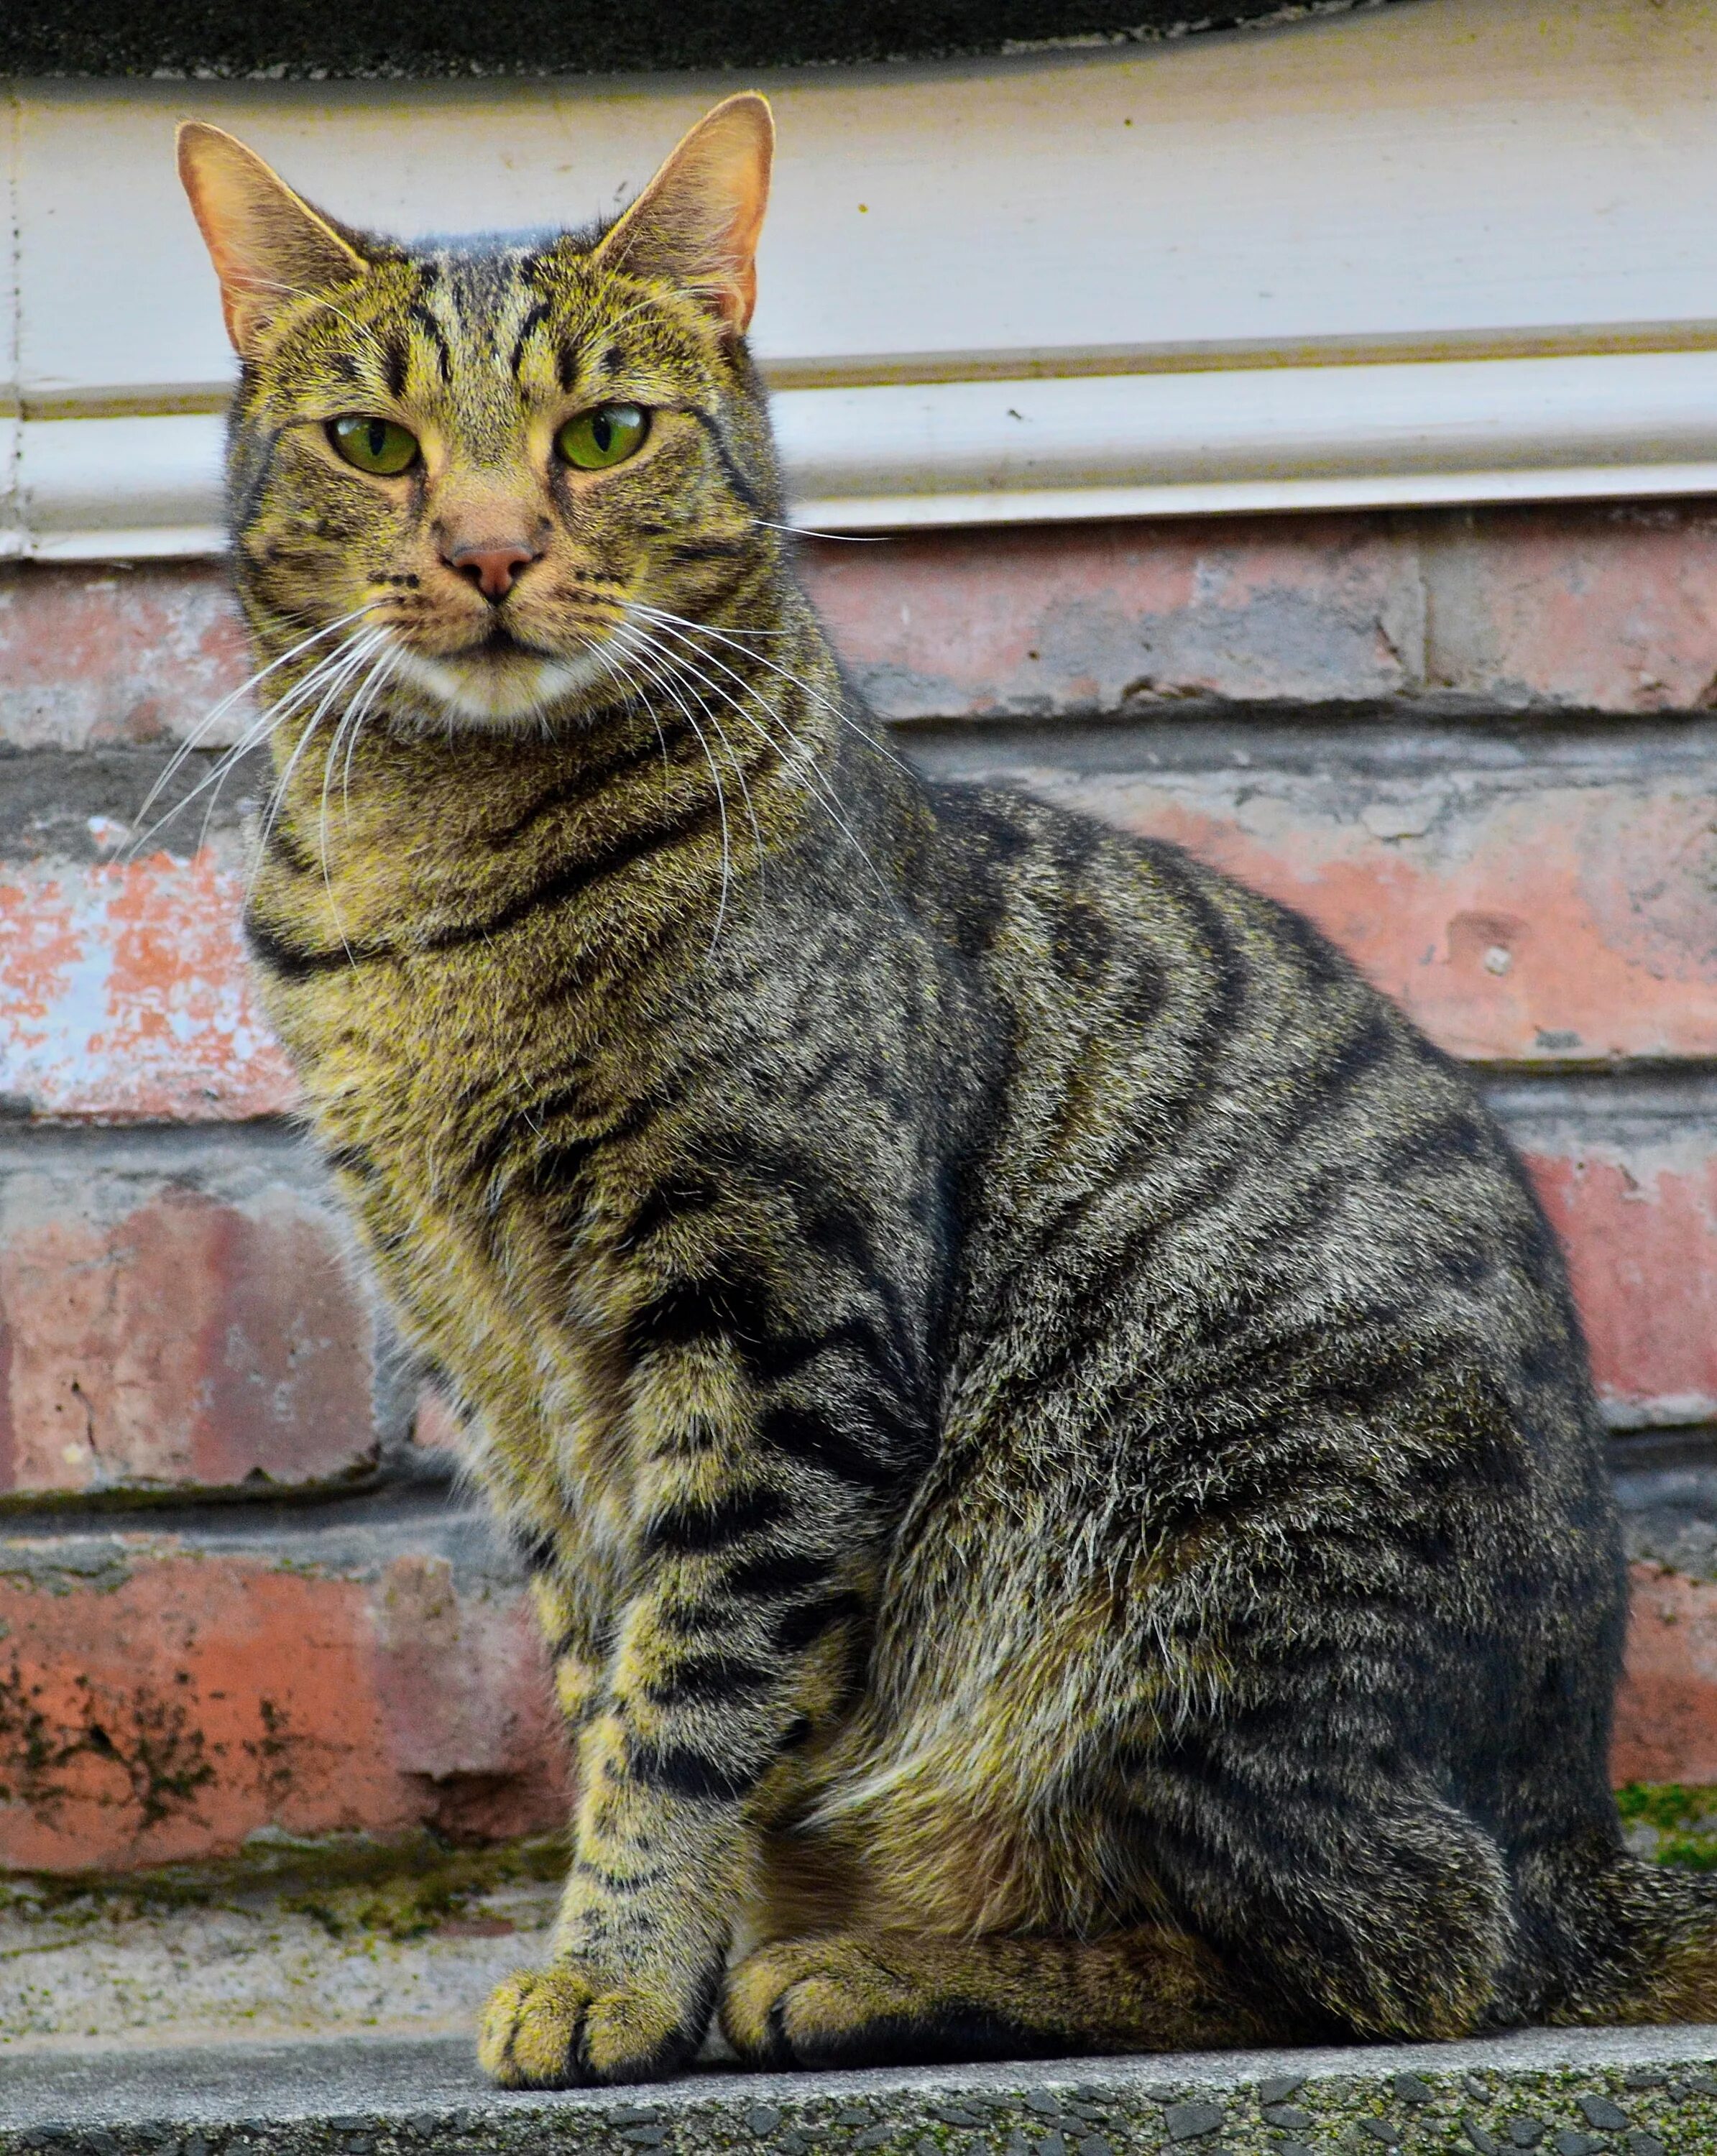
x,y
124,994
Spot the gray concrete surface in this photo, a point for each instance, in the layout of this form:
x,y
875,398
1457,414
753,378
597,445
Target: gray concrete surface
x,y
252,1963
1636,2092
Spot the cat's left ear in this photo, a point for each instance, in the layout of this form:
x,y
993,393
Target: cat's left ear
x,y
268,245
698,222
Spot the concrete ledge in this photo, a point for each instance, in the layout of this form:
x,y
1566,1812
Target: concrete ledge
x,y
1643,2091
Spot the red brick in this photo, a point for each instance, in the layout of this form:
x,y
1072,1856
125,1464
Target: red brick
x,y
173,1703
1666,1718
1607,607
165,1707
1560,917
434,1425
1639,1223
1082,618
154,1332
158,1334
1553,914
95,656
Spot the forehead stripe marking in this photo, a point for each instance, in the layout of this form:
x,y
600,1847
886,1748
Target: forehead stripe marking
x,y
423,320
534,319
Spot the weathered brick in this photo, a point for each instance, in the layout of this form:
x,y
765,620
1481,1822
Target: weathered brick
x,y
162,1699
176,1316
1529,896
1640,1228
1534,897
1092,618
123,992
1666,1717
1600,606
106,655
435,1427
1589,606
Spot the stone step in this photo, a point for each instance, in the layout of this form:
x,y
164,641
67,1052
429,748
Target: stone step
x,y
1599,2092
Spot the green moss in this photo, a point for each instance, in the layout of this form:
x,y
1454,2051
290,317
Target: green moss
x,y
351,1885
1683,1816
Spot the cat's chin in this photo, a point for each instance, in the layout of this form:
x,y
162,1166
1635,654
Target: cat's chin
x,y
482,691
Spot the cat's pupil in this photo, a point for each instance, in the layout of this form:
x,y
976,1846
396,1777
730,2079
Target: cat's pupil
x,y
378,437
602,432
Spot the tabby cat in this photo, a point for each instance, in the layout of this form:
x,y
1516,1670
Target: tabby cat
x,y
1054,1454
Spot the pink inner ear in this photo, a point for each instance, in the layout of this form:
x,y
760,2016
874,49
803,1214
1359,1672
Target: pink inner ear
x,y
698,222
265,243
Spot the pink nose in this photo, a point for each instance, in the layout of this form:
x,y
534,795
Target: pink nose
x,y
491,567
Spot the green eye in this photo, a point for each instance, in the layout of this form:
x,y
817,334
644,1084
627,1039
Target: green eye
x,y
374,445
607,436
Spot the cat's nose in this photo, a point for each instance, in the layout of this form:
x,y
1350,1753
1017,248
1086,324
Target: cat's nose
x,y
493,565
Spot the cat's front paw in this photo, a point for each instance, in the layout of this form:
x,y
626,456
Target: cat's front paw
x,y
822,2001
567,2026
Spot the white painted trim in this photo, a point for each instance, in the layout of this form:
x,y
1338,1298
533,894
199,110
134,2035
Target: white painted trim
x,y
1253,497
1045,451
1281,438
1432,255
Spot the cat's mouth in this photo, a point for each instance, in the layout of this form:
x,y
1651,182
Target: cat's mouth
x,y
499,642
499,677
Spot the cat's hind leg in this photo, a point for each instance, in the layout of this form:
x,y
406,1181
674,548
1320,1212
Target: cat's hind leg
x,y
1399,1928
857,1998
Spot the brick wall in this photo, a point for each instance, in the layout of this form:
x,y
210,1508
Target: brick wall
x,y
239,1590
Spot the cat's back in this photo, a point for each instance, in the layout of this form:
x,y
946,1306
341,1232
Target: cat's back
x,y
1223,1156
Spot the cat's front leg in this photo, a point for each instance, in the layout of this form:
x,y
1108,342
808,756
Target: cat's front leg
x,y
735,1642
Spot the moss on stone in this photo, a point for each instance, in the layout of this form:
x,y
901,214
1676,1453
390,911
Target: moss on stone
x,y
350,1884
1679,1819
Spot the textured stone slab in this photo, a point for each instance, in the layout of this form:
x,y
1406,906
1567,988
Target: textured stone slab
x,y
1575,2093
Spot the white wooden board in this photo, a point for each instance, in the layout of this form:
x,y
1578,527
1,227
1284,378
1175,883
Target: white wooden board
x,y
1450,250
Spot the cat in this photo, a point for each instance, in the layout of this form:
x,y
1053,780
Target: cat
x,y
1048,1431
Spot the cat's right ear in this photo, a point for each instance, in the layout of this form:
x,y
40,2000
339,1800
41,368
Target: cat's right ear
x,y
697,224
268,245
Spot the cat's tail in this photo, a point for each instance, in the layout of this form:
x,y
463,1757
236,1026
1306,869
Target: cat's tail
x,y
1645,1947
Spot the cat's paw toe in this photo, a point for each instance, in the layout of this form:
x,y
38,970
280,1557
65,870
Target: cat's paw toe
x,y
564,2027
813,2002
528,2037
635,2034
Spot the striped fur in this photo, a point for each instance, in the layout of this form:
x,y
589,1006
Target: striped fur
x,y
1050,1435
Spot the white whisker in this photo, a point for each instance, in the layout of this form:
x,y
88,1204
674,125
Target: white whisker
x,y
661,615
808,531
658,663
352,661
351,724
721,811
796,756
188,747
258,731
